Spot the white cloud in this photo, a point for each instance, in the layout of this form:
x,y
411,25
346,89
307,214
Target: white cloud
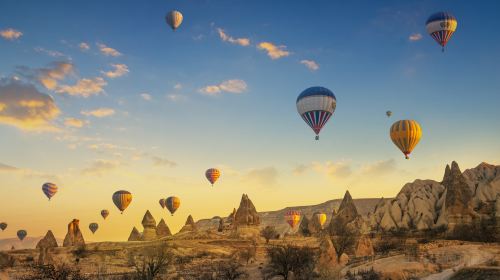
x,y
11,34
178,86
84,87
99,113
73,122
118,71
415,37
273,51
231,86
84,46
174,97
146,96
49,52
238,41
108,51
311,64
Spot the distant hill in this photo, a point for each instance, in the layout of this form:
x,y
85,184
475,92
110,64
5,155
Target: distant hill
x,y
27,243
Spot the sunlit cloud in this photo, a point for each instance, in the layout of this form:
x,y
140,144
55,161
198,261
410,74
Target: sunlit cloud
x,y
108,51
48,76
101,166
379,168
73,122
5,167
84,46
237,41
263,176
311,64
118,71
300,169
146,96
84,87
333,169
11,34
230,86
99,113
415,37
273,51
159,161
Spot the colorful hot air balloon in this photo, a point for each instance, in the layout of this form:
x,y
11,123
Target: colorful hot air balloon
x,y
104,213
292,217
162,203
212,175
316,105
21,234
388,114
441,26
406,134
174,19
93,227
122,199
172,203
49,189
3,226
320,218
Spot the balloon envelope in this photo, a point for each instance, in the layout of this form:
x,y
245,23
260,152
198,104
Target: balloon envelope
x,y
174,19
49,189
3,226
104,213
316,105
162,203
93,227
172,203
122,199
320,218
441,27
406,134
21,234
388,113
292,218
212,175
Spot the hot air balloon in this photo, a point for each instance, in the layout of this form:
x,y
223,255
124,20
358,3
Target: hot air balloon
x,y
406,134
162,203
316,105
441,27
292,217
104,213
122,199
320,218
212,175
174,19
49,189
21,234
3,226
93,227
388,114
172,203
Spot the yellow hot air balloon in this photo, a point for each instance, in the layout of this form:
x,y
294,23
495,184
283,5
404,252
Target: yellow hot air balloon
x,y
122,199
406,134
172,203
320,218
292,218
174,19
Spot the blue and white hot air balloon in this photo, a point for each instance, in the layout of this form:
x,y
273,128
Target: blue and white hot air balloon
x,y
441,26
316,105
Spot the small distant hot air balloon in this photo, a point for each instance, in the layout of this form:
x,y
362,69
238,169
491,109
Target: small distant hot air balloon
x,y
212,175
122,199
21,234
406,134
316,105
49,189
104,213
93,227
388,114
441,27
162,202
174,19
292,217
320,218
172,203
3,226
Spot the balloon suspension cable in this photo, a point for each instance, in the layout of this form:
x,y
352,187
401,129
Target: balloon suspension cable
x,y
442,49
121,212
317,137
407,157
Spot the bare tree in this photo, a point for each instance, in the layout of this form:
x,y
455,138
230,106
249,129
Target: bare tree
x,y
151,263
287,258
52,272
269,232
343,238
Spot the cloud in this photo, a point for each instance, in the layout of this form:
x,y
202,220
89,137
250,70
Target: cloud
x,y
99,113
26,108
159,161
73,122
231,86
84,46
273,51
118,71
238,41
415,37
174,97
108,51
5,167
84,87
178,86
48,76
311,64
49,52
146,96
300,169
379,168
333,170
263,176
11,34
101,166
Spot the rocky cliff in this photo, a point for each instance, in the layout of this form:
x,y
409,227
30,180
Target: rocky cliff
x,y
74,236
246,215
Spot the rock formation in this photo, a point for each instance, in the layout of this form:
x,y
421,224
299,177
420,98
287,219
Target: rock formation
x,y
74,236
134,235
246,215
230,218
49,241
304,227
364,247
162,229
221,225
327,253
347,216
190,225
149,224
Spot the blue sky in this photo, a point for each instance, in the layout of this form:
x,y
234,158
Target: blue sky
x,y
252,132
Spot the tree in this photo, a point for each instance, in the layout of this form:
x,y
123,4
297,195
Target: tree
x,y
269,232
62,272
343,240
229,270
287,258
152,263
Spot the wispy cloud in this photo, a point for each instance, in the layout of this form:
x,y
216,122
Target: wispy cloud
x,y
118,71
311,64
146,96
159,161
11,34
101,166
108,51
84,46
48,76
231,86
237,41
178,86
5,167
379,168
49,52
333,169
273,51
174,97
73,122
84,87
415,37
99,113
300,169
263,176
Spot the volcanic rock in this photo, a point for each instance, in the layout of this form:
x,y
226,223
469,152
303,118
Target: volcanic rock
x,y
162,229
327,253
246,215
190,225
134,235
304,227
364,247
74,236
149,224
346,216
49,241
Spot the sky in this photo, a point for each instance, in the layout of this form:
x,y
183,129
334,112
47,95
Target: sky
x,y
99,96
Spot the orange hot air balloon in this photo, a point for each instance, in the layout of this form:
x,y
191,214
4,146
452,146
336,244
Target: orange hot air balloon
x,y
212,175
292,217
122,199
172,203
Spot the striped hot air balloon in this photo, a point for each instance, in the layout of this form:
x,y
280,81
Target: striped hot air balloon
x,y
162,202
174,19
3,226
104,213
172,203
21,234
292,217
93,227
49,189
316,105
406,134
320,218
122,199
441,27
212,175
